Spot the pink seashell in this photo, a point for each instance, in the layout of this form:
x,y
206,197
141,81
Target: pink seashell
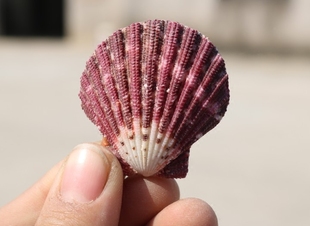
x,y
153,89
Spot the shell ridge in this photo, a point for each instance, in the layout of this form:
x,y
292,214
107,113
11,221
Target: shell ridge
x,y
133,53
211,122
102,125
191,111
196,111
95,79
210,116
91,103
178,78
172,34
148,47
170,44
118,57
104,57
86,107
193,80
86,102
151,54
168,154
184,61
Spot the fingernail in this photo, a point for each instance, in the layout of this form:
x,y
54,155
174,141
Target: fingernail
x,y
85,174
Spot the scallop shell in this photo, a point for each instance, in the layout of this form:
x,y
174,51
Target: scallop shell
x,y
153,89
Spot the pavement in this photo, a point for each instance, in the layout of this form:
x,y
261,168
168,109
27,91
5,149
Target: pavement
x,y
253,168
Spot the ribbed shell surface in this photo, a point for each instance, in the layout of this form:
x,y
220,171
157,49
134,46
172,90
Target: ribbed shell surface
x,y
153,89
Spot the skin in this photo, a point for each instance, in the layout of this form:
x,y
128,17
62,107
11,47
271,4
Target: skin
x,y
88,188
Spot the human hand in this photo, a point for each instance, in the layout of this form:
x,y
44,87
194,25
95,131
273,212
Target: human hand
x,y
88,188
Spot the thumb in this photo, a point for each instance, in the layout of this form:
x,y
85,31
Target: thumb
x,y
87,190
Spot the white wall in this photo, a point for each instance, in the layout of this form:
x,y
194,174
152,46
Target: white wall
x,y
251,24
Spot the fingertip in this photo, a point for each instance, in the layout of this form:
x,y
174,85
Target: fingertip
x,y
190,211
143,198
203,213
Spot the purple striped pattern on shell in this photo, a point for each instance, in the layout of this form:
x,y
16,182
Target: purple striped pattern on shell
x,y
153,89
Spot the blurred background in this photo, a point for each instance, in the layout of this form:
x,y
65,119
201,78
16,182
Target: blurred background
x,y
253,168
